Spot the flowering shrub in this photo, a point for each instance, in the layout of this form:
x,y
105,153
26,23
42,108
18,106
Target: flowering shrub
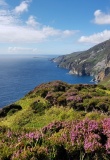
x,y
92,143
60,140
74,98
80,97
52,127
86,139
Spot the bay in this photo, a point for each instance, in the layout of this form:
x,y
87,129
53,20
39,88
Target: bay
x,y
21,73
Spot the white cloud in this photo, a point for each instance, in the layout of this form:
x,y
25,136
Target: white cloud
x,y
101,18
24,34
7,18
12,29
49,31
22,50
69,32
20,34
32,22
15,32
23,7
96,38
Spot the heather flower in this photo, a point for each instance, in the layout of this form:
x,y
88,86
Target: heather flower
x,y
34,135
108,146
76,135
83,134
91,143
9,134
85,137
93,126
106,126
52,127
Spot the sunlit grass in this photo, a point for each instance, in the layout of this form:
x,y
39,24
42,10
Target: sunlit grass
x,y
30,117
54,114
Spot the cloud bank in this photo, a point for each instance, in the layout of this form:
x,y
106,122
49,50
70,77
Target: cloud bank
x,y
101,18
23,7
22,49
15,30
96,38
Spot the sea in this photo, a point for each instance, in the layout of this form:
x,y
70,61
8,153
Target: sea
x,y
21,73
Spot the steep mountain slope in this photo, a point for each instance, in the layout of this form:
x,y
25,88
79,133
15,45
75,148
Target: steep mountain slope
x,y
94,61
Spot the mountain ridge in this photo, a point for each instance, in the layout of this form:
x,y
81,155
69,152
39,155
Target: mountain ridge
x,y
93,62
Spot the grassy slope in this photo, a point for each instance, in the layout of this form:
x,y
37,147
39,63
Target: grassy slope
x,y
106,81
26,117
30,118
51,116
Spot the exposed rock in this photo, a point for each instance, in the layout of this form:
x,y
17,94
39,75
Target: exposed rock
x,y
100,76
94,61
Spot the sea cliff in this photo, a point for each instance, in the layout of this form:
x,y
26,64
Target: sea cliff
x,y
94,61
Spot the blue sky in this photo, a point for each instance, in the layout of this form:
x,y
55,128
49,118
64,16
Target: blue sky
x,y
52,26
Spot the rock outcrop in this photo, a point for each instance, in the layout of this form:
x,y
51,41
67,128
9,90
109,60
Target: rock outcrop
x,y
94,61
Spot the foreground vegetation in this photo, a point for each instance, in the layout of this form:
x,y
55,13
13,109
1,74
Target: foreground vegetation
x,y
106,81
57,121
84,139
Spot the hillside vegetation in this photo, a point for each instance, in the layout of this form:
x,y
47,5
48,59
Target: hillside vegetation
x,y
57,121
94,61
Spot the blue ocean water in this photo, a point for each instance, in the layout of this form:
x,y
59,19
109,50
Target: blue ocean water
x,y
20,74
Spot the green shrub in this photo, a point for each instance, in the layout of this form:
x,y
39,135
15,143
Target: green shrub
x,y
102,106
62,100
101,92
4,111
39,107
12,111
102,87
89,104
5,152
95,115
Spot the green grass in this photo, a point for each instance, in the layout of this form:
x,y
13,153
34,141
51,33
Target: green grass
x,y
30,117
27,119
45,122
106,81
54,114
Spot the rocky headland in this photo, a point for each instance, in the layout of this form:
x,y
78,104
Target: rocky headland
x,y
93,62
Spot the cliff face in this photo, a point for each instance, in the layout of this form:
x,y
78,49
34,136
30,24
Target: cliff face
x,y
94,61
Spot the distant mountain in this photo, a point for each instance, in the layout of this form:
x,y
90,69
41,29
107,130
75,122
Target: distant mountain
x,y
94,61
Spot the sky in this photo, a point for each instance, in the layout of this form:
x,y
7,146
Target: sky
x,y
52,26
